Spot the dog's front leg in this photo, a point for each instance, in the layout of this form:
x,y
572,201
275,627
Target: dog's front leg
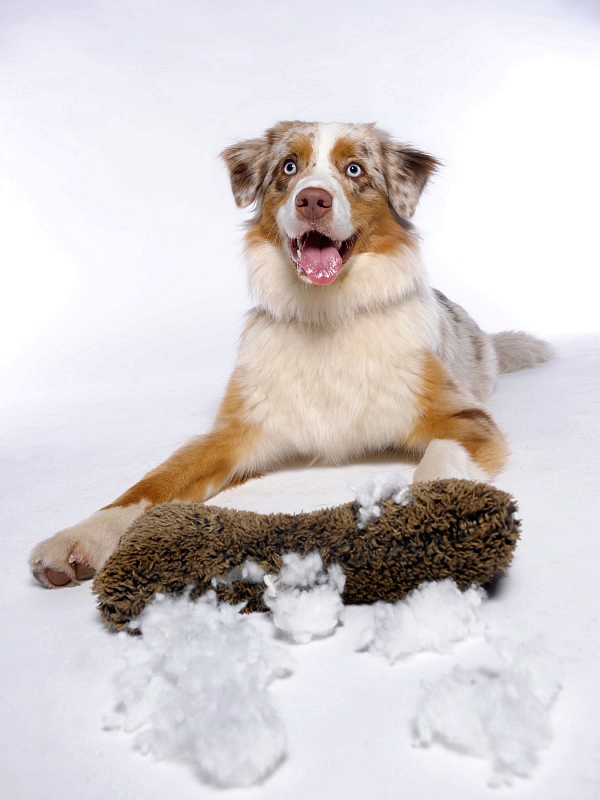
x,y
195,472
458,437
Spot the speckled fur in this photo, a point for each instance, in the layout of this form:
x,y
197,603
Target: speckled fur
x,y
451,528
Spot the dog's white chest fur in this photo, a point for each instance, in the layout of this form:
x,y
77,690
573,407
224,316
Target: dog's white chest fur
x,y
330,393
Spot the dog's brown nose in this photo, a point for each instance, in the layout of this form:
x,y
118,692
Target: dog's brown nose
x,y
314,203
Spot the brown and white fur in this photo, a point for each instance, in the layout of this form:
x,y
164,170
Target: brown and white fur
x,y
332,365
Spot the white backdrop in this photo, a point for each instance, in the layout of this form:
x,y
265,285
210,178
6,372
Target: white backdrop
x,y
118,228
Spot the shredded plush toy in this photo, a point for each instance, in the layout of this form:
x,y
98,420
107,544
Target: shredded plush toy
x,y
448,528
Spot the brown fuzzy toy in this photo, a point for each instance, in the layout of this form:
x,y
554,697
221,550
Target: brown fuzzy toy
x,y
450,528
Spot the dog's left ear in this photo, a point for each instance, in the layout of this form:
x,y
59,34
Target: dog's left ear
x,y
247,163
406,173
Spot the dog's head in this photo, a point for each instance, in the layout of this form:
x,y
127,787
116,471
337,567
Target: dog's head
x,y
327,193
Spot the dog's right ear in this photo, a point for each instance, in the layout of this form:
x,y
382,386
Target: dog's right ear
x,y
247,163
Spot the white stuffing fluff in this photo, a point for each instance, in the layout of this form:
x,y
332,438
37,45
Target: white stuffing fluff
x,y
304,600
502,714
249,571
380,486
431,617
194,688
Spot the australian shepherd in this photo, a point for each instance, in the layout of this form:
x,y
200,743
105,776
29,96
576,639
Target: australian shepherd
x,y
348,350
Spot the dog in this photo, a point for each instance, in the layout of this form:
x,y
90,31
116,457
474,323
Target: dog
x,y
348,351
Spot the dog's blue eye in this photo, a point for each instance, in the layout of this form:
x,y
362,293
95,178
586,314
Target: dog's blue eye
x,y
353,170
290,167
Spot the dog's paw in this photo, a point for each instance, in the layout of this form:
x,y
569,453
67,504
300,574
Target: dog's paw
x,y
64,559
75,554
446,458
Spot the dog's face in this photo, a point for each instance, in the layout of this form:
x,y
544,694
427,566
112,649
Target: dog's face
x,y
328,192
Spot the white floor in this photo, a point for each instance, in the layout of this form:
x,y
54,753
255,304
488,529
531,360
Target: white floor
x,y
348,715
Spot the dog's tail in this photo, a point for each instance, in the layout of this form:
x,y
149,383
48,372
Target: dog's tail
x,y
519,350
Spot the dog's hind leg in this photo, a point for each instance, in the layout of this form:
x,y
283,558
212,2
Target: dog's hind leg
x,y
459,439
198,470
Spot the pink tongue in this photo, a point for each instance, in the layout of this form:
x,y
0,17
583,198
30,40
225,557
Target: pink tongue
x,y
321,264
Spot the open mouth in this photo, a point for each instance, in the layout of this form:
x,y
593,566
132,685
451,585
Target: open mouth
x,y
319,258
